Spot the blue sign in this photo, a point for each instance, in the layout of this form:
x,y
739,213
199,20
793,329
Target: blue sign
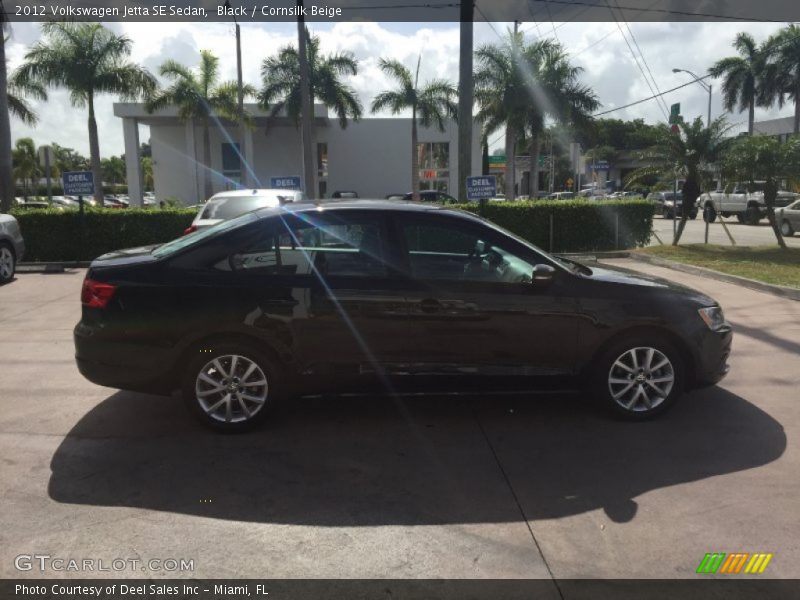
x,y
483,186
78,183
600,165
284,183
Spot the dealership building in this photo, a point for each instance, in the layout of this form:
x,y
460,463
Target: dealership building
x,y
371,157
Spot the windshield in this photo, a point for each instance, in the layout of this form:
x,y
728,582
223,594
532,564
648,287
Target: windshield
x,y
190,240
233,206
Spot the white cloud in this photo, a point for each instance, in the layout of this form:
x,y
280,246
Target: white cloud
x,y
609,65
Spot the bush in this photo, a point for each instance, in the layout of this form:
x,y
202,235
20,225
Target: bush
x,y
578,225
55,236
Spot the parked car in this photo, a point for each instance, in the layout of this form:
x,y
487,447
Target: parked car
x,y
747,205
110,201
561,196
789,218
12,247
31,204
227,205
669,204
352,295
65,202
426,196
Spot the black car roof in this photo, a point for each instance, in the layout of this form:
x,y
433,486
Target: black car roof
x,y
352,203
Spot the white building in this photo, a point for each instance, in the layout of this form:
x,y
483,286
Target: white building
x,y
371,157
781,128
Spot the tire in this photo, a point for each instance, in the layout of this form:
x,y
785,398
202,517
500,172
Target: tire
x,y
639,394
668,215
786,228
693,214
709,214
8,263
248,403
740,218
752,215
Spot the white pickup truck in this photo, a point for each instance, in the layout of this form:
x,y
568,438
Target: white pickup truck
x,y
748,207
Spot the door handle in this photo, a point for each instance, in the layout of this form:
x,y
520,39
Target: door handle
x,y
430,305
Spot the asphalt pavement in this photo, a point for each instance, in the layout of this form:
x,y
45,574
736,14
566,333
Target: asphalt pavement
x,y
743,235
484,487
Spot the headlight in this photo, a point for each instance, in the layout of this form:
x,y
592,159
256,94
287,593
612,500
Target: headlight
x,y
713,317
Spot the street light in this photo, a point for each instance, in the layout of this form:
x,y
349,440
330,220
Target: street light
x,y
706,87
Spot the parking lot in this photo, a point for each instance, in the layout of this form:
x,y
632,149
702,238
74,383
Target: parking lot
x,y
743,235
480,487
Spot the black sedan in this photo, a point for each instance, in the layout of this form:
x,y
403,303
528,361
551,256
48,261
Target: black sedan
x,y
388,297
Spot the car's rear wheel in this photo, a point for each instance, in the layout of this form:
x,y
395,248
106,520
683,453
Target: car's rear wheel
x,y
740,217
752,215
8,264
786,228
709,214
640,377
231,387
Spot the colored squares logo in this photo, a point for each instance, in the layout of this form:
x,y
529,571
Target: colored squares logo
x,y
734,563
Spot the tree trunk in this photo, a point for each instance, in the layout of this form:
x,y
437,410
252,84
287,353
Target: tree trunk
x,y
533,180
691,192
414,156
770,194
484,159
465,99
207,191
510,161
6,178
94,153
751,116
797,104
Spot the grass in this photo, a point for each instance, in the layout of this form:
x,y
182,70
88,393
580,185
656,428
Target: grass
x,y
770,265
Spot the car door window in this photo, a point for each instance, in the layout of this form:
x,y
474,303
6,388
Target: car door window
x,y
328,247
448,252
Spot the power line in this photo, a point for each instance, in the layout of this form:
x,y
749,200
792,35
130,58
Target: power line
x,y
605,112
662,11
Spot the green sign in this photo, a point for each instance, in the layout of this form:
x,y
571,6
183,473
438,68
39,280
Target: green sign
x,y
675,113
497,159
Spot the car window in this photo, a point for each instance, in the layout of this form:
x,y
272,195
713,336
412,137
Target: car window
x,y
449,252
323,246
195,238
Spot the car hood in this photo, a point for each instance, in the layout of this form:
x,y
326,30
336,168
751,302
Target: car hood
x,y
622,276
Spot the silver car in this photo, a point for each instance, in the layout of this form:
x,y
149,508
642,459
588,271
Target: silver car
x,y
788,218
227,205
12,247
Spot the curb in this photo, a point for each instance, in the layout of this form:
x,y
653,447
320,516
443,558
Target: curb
x,y
760,286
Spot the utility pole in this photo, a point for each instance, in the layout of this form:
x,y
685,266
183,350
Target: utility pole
x,y
6,179
465,98
306,108
244,167
511,138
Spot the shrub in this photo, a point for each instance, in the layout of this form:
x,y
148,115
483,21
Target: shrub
x,y
578,225
54,235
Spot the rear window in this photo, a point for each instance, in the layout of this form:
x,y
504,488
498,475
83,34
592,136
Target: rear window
x,y
194,238
227,208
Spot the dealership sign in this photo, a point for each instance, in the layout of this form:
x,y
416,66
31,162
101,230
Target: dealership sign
x,y
78,183
284,183
481,187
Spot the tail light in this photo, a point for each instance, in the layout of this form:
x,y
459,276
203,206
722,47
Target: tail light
x,y
95,294
190,229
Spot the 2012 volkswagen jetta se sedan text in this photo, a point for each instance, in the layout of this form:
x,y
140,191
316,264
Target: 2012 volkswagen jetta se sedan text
x,y
387,297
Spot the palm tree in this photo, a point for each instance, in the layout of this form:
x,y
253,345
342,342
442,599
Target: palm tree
x,y
782,72
520,85
689,154
87,59
430,105
281,82
199,95
741,86
19,107
764,158
26,163
6,177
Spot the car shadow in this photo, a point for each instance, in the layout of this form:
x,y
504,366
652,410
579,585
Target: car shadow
x,y
420,460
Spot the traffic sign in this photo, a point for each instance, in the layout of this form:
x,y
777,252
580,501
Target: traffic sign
x,y
481,187
675,113
285,183
78,183
46,156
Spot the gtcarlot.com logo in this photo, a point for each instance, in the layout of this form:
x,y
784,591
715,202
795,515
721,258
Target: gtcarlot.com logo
x,y
46,562
734,563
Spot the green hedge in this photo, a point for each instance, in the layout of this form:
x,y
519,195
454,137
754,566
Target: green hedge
x,y
578,225
54,236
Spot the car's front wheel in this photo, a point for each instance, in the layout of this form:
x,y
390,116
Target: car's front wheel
x,y
640,377
786,228
8,264
231,387
709,214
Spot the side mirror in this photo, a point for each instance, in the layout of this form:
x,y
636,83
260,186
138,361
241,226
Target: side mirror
x,y
543,275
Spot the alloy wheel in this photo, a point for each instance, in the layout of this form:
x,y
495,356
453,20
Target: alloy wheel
x,y
641,379
231,388
786,229
6,263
